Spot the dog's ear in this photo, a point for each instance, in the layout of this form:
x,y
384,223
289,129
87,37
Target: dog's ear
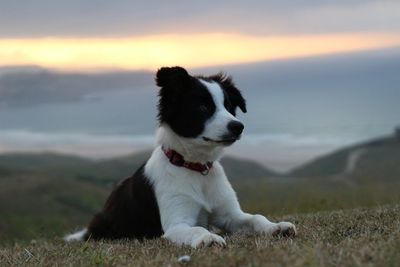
x,y
232,91
173,77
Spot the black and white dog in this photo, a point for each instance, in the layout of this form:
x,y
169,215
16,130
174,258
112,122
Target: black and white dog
x,y
182,189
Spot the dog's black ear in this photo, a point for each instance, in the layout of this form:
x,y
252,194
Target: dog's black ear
x,y
172,77
234,94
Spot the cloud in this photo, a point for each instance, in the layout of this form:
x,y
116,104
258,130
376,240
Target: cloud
x,y
199,50
75,18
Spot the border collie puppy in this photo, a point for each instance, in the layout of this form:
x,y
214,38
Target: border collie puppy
x,y
182,189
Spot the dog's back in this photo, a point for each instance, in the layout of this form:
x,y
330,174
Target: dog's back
x,y
131,211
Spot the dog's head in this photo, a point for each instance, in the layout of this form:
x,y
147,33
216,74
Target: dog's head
x,y
200,108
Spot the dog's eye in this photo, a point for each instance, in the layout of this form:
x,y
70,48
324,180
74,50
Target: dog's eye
x,y
203,108
229,107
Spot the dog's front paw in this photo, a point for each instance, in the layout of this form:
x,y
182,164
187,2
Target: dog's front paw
x,y
286,229
261,225
208,239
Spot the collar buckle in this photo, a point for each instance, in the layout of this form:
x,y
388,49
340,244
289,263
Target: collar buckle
x,y
206,170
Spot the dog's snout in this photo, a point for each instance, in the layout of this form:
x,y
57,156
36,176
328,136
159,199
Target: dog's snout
x,y
235,127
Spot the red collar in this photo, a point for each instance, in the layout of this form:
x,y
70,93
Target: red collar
x,y
177,159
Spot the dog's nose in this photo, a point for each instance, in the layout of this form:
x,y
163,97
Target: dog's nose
x,y
235,127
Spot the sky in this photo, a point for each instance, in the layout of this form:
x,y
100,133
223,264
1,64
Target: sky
x,y
318,75
97,35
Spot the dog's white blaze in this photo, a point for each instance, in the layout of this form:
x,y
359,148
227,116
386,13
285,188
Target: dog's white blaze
x,y
216,93
218,97
216,126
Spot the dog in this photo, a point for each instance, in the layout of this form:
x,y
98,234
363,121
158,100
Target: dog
x,y
182,190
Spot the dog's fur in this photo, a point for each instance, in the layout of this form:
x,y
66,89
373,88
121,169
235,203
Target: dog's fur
x,y
197,120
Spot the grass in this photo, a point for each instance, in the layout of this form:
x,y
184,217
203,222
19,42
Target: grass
x,y
306,196
57,195
357,237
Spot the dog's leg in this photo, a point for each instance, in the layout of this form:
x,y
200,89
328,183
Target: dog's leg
x,y
249,223
180,221
230,217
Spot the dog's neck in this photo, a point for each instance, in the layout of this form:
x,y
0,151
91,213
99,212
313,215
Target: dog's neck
x,y
191,149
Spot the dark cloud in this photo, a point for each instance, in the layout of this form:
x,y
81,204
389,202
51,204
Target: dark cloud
x,y
121,18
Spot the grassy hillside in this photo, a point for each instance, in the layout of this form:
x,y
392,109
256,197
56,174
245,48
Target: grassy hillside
x,y
359,237
11,164
376,159
37,205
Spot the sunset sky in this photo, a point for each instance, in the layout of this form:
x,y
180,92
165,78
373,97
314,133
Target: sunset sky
x,y
95,35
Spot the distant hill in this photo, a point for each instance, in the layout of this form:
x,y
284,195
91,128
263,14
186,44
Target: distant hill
x,y
32,162
238,169
109,170
375,159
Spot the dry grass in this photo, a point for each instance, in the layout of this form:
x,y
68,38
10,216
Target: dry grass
x,y
360,237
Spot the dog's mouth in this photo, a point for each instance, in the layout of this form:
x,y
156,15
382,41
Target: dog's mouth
x,y
225,141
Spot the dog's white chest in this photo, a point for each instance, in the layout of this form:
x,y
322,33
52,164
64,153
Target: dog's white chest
x,y
185,190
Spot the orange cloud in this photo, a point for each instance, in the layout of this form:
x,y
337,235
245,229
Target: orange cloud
x,y
200,50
